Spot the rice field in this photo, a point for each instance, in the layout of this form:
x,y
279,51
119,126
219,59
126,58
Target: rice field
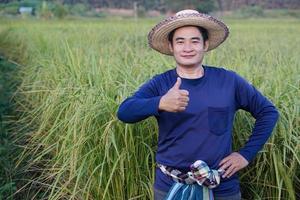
x,y
74,74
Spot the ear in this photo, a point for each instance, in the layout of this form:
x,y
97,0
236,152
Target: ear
x,y
170,47
206,45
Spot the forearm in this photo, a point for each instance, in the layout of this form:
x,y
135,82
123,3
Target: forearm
x,y
136,109
264,124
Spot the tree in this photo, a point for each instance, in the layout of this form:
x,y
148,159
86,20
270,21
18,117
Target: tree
x,y
60,11
201,5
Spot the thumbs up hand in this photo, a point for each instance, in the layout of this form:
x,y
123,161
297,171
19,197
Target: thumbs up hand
x,y
175,100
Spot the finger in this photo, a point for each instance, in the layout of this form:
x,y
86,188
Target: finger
x,y
184,92
228,171
184,99
225,165
233,171
180,109
224,160
183,104
177,84
225,175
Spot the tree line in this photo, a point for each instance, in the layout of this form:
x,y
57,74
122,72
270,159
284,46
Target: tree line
x,y
174,5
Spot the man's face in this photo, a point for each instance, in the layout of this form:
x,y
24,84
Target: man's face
x,y
188,47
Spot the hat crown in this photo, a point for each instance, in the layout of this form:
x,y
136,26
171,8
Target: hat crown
x,y
185,12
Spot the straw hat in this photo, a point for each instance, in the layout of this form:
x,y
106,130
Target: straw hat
x,y
158,36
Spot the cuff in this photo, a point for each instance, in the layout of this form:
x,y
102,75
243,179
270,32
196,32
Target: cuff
x,y
247,155
155,106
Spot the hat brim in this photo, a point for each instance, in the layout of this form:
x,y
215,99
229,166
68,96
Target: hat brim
x,y
158,36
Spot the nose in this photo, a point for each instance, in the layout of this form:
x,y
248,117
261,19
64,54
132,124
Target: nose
x,y
187,47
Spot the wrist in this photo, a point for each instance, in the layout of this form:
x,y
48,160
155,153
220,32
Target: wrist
x,y
161,104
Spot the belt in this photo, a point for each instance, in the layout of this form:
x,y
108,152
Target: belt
x,y
199,173
193,185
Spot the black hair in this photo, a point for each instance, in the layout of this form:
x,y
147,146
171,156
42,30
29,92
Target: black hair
x,y
202,30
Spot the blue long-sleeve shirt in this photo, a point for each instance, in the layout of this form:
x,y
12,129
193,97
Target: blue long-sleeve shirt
x,y
204,130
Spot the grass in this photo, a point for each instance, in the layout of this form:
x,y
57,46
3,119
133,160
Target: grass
x,y
76,73
8,148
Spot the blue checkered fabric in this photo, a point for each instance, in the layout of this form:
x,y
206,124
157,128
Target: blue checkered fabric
x,y
193,185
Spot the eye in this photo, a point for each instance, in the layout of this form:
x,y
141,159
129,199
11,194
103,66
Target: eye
x,y
179,42
195,41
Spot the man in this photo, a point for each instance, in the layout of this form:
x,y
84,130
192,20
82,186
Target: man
x,y
194,105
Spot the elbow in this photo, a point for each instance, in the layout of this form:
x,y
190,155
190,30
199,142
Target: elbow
x,y
273,114
120,115
123,116
269,113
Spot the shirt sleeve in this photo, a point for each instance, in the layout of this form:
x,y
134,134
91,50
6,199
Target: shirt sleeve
x,y
250,99
142,104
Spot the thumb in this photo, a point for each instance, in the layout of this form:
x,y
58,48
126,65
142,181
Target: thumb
x,y
177,84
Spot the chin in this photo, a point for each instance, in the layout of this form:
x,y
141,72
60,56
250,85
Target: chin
x,y
189,64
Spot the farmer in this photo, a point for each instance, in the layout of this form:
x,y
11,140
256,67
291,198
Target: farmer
x,y
194,105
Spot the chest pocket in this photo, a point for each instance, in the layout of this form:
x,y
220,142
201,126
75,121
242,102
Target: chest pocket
x,y
218,120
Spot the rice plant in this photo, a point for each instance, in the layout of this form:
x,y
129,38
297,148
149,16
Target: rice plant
x,y
76,73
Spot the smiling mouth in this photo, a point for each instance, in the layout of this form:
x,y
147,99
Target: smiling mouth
x,y
188,56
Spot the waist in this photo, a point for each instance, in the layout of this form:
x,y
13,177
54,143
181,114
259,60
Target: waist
x,y
227,186
199,173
